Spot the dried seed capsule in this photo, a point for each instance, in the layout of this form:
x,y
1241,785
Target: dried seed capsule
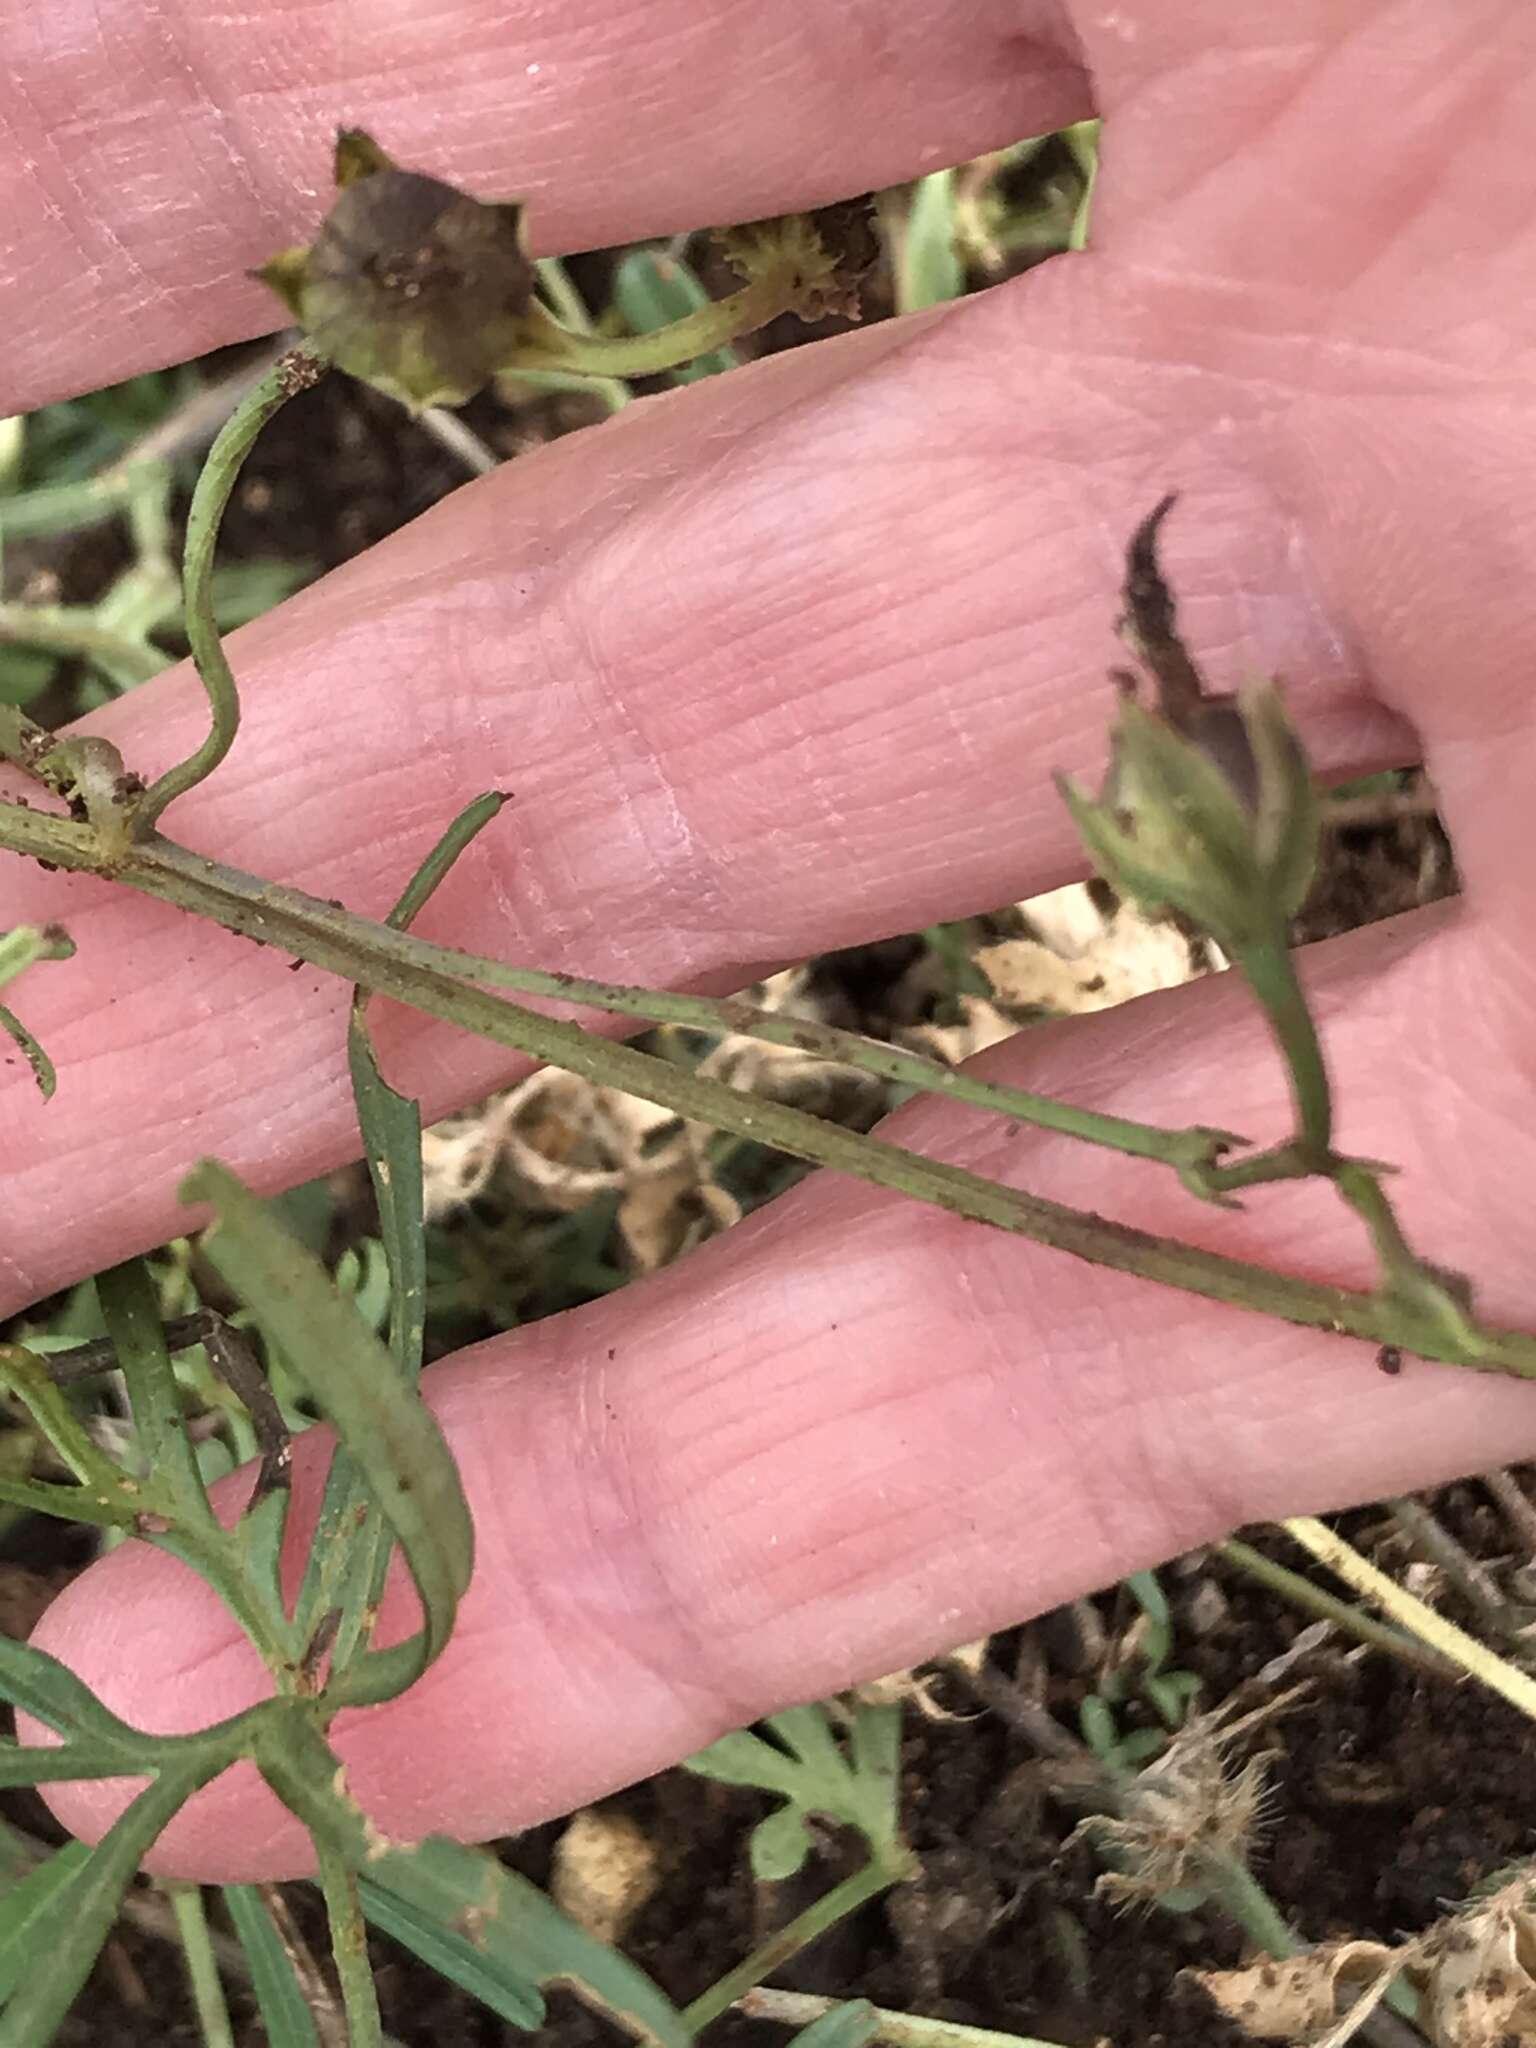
x,y
410,284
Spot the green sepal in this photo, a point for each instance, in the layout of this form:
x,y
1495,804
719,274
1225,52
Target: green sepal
x,y
284,274
358,156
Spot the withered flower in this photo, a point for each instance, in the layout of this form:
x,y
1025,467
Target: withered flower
x,y
1209,808
411,285
823,257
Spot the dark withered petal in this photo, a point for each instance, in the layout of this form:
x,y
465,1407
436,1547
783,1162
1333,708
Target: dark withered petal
x,y
417,287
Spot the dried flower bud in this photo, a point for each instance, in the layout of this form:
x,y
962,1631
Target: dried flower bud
x,y
410,284
1209,808
827,255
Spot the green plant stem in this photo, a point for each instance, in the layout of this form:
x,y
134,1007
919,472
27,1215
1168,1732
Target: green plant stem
x,y
549,346
899,2029
202,1968
349,1945
76,629
1230,1884
427,978
571,308
291,374
1190,1151
1328,1607
1270,971
61,508
25,944
845,1898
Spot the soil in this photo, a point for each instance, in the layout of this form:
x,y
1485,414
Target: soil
x,y
1389,1791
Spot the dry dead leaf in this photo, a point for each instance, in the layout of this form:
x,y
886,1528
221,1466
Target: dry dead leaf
x,y
1475,1973
665,1214
1479,1971
1073,968
1299,2000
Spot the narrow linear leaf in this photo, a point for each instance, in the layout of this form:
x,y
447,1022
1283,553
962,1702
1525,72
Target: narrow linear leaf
x,y
453,1955
383,1423
280,1998
24,1901
42,1067
106,1488
745,1759
507,1925
350,1554
88,1756
63,1936
808,1732
50,1692
67,1503
130,1309
391,1122
25,944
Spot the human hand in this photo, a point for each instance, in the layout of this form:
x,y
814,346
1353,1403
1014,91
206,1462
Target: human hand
x,y
781,662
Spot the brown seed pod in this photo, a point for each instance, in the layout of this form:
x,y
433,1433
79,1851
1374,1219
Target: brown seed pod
x,y
410,284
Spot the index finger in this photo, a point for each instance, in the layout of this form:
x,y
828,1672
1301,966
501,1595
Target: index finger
x,y
149,161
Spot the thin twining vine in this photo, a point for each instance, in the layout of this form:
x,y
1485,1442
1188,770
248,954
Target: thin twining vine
x,y
1209,810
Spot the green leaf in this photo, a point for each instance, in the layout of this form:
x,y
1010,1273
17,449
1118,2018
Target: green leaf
x,y
383,1423
745,1759
24,1901
96,1743
1157,1639
1289,822
845,2026
25,672
284,2010
490,1930
25,944
61,1938
816,1776
779,1845
350,1554
107,1493
652,289
42,1067
130,1308
88,1756
1097,1725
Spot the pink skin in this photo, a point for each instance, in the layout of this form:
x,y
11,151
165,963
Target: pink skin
x,y
779,663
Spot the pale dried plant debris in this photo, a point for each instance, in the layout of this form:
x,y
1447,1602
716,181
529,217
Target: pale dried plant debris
x,y
605,1868
919,1687
1474,1972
